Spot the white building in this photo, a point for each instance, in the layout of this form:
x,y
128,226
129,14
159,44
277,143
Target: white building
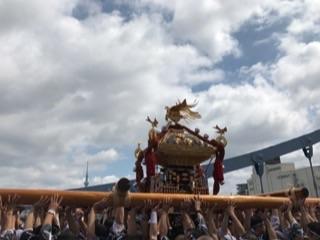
x,y
281,176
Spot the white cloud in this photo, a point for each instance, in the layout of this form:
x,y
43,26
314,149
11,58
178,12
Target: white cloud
x,y
297,71
67,86
103,180
294,75
209,25
96,161
307,18
104,156
256,115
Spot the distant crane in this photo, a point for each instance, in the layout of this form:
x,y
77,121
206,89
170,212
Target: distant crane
x,y
86,181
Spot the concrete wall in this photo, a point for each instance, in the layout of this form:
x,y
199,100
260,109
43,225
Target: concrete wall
x,y
282,176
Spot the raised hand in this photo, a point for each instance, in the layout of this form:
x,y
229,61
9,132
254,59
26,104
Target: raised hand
x,y
264,215
1,205
103,203
79,214
12,201
283,208
300,202
41,203
152,205
185,204
197,203
55,202
166,204
212,208
289,207
230,208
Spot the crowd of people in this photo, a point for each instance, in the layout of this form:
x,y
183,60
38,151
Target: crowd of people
x,y
49,219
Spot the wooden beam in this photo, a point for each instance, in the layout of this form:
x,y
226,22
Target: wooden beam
x,y
86,199
291,192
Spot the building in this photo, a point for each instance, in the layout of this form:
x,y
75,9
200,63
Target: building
x,y
279,176
303,177
242,189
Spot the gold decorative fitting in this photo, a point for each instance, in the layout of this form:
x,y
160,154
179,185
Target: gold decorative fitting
x,y
221,139
221,131
137,151
154,123
182,110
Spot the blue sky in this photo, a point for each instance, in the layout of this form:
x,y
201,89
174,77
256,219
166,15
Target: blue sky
x,y
79,77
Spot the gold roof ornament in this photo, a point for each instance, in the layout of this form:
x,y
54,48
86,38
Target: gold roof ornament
x,y
182,110
221,138
221,131
152,132
154,123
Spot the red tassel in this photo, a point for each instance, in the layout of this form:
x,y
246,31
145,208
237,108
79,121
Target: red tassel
x,y
150,159
218,170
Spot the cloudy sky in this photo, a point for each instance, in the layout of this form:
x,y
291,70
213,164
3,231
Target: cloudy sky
x,y
79,77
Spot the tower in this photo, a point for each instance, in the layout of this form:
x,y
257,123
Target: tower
x,y
86,182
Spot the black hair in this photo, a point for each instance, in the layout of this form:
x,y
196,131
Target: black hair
x,y
66,235
314,227
255,221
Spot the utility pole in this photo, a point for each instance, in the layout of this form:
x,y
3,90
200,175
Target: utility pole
x,y
258,166
308,152
86,182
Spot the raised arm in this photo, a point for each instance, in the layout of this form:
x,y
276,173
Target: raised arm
x,y
212,229
35,210
284,223
53,208
98,206
131,222
153,220
271,232
73,226
306,217
187,223
46,229
238,225
164,223
91,234
9,225
248,214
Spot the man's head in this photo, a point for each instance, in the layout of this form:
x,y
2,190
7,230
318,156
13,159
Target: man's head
x,y
314,231
296,214
296,232
317,212
66,235
257,225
